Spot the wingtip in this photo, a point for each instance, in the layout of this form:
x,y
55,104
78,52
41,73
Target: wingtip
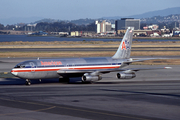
x,y
167,67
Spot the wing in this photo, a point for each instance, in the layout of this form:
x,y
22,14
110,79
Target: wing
x,y
103,71
141,59
88,71
138,69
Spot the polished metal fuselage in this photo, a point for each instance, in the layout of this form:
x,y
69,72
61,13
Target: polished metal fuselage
x,y
47,68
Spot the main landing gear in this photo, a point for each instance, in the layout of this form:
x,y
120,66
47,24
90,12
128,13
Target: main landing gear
x,y
28,82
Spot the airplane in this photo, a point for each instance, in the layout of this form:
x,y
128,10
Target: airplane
x,y
90,69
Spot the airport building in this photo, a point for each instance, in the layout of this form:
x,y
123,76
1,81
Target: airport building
x,y
75,33
124,23
103,27
176,33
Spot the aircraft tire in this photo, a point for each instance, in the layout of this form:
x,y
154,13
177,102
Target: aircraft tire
x,y
28,82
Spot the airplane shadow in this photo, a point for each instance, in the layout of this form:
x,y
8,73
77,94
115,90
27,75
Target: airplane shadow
x,y
18,81
77,80
12,81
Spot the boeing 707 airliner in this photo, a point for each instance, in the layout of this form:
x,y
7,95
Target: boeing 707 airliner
x,y
90,69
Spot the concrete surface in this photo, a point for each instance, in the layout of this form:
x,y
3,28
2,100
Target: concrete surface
x,y
153,94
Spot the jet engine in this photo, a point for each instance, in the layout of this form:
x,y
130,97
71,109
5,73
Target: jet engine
x,y
123,75
89,78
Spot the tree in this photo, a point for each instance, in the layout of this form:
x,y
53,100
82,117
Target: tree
x,y
1,27
64,27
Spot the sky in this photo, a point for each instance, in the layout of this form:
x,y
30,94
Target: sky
x,y
76,9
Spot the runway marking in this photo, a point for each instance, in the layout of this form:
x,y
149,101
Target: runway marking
x,y
148,93
116,115
28,111
51,107
26,102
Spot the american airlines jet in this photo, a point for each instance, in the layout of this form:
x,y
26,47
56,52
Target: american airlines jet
x,y
90,69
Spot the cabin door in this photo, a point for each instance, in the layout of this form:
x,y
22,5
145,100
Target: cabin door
x,y
32,67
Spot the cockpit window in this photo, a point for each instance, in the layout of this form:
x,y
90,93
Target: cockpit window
x,y
23,65
19,66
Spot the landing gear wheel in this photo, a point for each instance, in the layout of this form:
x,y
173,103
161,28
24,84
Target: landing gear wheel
x,y
28,82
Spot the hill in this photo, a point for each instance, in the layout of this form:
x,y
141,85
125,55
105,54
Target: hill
x,y
153,17
164,12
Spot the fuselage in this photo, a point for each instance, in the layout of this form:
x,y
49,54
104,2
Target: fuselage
x,y
47,68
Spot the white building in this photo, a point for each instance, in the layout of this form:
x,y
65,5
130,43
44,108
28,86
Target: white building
x,y
103,27
98,27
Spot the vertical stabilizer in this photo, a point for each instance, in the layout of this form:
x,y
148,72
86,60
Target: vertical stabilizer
x,y
124,50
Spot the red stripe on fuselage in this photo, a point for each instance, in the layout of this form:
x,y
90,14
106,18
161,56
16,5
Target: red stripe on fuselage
x,y
94,68
70,68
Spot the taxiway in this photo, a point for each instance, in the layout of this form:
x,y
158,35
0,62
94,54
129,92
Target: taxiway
x,y
153,94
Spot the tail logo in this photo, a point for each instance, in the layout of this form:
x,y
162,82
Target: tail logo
x,y
127,44
123,46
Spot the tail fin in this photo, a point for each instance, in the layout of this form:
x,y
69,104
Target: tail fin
x,y
124,50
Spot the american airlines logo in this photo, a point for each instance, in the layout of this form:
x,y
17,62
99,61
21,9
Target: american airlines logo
x,y
51,63
125,45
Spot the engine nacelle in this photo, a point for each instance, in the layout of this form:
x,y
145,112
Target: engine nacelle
x,y
122,75
89,78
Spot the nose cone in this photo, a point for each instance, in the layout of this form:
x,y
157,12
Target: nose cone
x,y
14,73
